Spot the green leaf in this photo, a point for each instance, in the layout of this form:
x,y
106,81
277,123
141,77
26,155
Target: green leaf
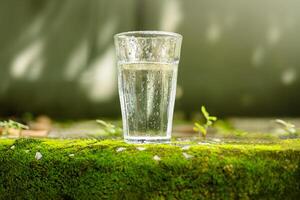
x,y
16,125
196,129
209,121
13,124
204,112
200,128
197,125
212,118
203,130
204,133
103,123
109,128
23,126
287,126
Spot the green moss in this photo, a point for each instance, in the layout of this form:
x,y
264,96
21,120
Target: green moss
x,y
97,171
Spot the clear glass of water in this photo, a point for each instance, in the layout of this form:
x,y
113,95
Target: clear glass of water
x,y
147,76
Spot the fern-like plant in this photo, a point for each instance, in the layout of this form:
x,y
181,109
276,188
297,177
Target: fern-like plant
x,y
288,127
10,124
201,128
109,128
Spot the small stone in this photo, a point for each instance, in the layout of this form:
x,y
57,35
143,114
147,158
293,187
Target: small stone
x,y
26,151
187,156
186,147
120,149
156,157
12,147
38,155
141,148
72,155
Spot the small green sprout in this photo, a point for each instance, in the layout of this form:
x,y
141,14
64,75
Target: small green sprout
x,y
10,124
288,127
202,128
109,128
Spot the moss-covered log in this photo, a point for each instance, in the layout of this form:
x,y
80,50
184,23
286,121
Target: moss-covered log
x,y
94,169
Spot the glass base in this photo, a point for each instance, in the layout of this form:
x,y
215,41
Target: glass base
x,y
147,140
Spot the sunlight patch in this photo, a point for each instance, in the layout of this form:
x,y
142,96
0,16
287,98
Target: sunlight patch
x,y
30,57
99,80
35,70
77,60
106,31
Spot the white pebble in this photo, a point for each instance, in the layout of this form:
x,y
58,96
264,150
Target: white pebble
x,y
187,156
120,149
141,148
38,155
12,147
72,155
26,151
186,147
156,157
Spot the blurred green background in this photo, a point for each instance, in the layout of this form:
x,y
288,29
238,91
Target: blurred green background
x,y
239,57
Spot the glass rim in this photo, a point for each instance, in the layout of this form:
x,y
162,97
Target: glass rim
x,y
148,33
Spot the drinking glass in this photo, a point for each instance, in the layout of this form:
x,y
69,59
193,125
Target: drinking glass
x,y
147,76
